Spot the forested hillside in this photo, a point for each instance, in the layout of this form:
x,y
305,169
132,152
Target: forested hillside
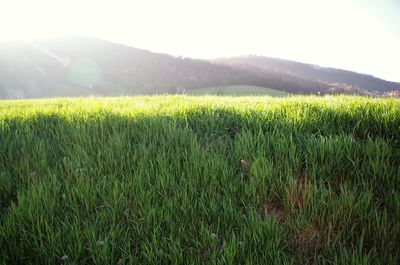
x,y
88,66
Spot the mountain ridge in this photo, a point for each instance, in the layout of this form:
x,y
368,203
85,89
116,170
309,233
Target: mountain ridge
x,y
326,74
87,66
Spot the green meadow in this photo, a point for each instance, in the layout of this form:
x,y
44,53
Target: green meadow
x,y
239,90
200,180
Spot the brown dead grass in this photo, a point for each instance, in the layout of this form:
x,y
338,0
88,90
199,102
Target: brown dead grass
x,y
300,192
307,243
273,210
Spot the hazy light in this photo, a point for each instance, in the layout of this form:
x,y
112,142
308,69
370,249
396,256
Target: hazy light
x,y
357,35
84,72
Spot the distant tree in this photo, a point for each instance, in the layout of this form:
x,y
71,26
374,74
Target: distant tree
x,y
394,94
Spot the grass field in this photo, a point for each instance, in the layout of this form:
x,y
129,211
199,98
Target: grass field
x,y
239,90
200,180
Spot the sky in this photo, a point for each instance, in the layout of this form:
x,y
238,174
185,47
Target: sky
x,y
358,35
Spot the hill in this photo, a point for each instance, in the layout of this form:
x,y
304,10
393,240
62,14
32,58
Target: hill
x,y
200,180
88,66
339,81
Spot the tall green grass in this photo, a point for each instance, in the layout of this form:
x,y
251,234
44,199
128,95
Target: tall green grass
x,y
200,180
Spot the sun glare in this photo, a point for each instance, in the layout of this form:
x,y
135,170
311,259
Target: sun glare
x,y
357,35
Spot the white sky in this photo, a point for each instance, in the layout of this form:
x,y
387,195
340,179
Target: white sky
x,y
360,35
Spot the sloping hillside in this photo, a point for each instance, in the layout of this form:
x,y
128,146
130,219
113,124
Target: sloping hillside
x,y
87,66
91,66
338,80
